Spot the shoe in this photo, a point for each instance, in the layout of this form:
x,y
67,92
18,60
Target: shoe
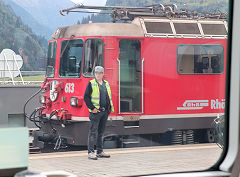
x,y
103,155
92,156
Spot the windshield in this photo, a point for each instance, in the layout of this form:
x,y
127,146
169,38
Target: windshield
x,y
71,58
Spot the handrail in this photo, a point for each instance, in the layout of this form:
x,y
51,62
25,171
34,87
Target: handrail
x,y
119,72
142,86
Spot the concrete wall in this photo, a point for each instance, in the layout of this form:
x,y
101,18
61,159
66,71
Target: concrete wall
x,y
12,100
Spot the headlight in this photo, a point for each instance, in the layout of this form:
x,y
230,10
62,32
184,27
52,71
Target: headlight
x,y
42,99
74,101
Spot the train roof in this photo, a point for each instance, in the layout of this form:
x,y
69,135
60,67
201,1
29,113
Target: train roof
x,y
150,27
100,29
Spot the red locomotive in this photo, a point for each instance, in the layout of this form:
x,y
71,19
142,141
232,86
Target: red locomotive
x,y
167,77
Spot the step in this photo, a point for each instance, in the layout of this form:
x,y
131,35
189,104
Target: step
x,y
130,141
134,126
34,150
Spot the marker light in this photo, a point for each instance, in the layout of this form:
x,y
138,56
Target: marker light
x,y
42,99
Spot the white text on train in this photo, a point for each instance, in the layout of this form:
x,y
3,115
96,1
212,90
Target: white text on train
x,y
218,104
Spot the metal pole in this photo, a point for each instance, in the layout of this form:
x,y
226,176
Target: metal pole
x,y
18,68
9,69
4,69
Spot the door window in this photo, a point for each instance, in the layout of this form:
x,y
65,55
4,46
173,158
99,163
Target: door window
x,y
130,75
93,56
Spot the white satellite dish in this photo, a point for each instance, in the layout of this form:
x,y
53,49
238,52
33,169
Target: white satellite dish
x,y
10,64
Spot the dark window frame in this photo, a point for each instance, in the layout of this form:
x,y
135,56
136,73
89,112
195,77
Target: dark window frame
x,y
205,27
149,29
186,33
81,63
223,60
84,57
54,68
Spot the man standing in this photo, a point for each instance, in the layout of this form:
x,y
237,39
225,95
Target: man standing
x,y
98,99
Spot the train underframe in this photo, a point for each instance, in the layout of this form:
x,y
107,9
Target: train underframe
x,y
120,134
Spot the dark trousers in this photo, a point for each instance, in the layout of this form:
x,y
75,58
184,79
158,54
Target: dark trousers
x,y
97,127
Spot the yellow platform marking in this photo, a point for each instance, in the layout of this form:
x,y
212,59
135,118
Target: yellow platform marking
x,y
123,151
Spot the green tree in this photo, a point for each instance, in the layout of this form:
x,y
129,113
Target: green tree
x,y
19,37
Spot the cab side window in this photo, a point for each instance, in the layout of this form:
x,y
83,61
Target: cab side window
x,y
200,59
51,58
71,58
93,56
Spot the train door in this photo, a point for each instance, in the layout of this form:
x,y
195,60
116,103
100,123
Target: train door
x,y
70,69
130,76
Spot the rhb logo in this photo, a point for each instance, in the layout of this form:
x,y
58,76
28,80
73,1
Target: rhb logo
x,y
200,104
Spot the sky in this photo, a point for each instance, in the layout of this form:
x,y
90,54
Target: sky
x,y
90,2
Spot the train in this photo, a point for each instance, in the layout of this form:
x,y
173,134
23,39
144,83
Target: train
x,y
166,74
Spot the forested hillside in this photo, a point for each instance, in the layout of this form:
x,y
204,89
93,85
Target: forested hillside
x,y
28,19
19,37
201,5
193,4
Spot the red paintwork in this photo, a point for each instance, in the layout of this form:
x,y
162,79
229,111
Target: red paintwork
x,y
164,88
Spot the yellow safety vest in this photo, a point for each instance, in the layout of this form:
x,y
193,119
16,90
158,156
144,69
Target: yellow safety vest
x,y
95,97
